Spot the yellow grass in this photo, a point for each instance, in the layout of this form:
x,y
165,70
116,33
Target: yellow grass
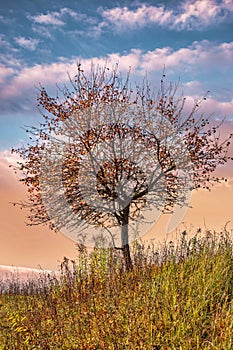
x,y
176,297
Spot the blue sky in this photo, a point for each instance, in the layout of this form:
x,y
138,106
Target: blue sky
x,y
41,41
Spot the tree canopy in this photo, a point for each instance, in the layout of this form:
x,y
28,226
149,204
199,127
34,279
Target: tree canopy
x,y
105,153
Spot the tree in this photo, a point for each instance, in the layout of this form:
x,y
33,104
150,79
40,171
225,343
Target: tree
x,y
105,154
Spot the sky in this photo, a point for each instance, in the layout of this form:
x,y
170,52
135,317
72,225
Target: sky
x,y
41,42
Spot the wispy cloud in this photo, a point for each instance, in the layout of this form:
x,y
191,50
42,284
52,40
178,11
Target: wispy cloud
x,y
54,18
4,20
191,14
5,72
43,31
27,43
8,57
9,60
4,43
48,19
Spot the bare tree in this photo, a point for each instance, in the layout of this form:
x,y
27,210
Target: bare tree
x,y
105,154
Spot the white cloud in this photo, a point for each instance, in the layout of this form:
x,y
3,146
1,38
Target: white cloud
x,y
200,54
10,60
27,43
49,19
201,13
4,20
188,62
54,18
70,12
42,30
8,57
4,43
123,18
42,23
192,14
5,72
201,10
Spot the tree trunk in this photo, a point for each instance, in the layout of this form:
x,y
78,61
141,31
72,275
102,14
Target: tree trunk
x,y
127,257
125,239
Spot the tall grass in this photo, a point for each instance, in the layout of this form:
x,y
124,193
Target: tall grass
x,y
178,296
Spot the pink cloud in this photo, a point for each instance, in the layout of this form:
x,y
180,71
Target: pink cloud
x,y
31,76
198,57
192,14
218,107
199,54
210,105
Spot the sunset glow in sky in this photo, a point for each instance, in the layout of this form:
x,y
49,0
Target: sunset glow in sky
x,y
41,41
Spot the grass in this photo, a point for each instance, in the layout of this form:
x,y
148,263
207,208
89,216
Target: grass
x,y
178,296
